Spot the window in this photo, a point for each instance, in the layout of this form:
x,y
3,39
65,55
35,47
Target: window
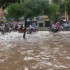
x,y
47,24
40,24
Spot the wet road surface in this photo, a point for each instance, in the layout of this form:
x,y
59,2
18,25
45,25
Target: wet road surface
x,y
50,52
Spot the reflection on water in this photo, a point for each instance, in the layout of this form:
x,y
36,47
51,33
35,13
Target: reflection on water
x,y
47,54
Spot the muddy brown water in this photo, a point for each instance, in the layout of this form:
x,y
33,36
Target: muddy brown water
x,y
48,54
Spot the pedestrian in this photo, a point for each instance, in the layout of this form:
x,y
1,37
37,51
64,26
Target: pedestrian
x,y
59,26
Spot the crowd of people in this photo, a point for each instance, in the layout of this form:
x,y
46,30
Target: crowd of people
x,y
17,27
55,27
8,28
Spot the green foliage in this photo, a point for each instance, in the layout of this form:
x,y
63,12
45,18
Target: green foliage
x,y
62,7
54,12
65,6
15,11
68,7
29,8
56,1
5,3
36,7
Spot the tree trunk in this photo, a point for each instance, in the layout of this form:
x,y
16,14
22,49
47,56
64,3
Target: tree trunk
x,y
24,35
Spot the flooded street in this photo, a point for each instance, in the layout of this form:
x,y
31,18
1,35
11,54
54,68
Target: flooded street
x,y
40,51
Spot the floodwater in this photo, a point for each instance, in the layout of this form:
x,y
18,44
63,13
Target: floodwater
x,y
51,52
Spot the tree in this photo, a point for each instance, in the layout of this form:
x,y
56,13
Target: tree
x,y
5,3
65,8
60,7
68,7
29,8
35,8
15,11
54,11
56,1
